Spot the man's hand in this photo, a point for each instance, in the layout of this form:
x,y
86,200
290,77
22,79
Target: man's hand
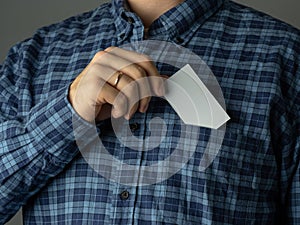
x,y
112,84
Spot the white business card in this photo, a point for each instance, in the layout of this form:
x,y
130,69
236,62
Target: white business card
x,y
192,101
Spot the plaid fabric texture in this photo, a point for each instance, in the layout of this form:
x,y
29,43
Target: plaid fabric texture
x,y
255,178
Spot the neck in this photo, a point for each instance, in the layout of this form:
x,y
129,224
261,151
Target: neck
x,y
150,10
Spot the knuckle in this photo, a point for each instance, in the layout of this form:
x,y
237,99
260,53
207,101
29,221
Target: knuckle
x,y
109,49
98,55
95,68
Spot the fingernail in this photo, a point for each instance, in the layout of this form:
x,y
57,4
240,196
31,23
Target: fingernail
x,y
127,117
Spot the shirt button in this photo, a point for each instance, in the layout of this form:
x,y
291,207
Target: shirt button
x,y
134,127
179,40
122,36
130,20
124,195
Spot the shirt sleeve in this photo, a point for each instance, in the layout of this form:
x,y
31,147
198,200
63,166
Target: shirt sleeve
x,y
285,124
36,139
293,190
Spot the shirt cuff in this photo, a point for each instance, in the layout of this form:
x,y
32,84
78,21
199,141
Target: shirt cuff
x,y
55,126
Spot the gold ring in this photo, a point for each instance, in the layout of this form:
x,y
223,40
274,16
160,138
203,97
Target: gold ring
x,y
120,74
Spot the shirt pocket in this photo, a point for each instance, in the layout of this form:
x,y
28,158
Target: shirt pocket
x,y
248,161
239,185
247,176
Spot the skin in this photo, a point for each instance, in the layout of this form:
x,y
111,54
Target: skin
x,y
94,95
149,11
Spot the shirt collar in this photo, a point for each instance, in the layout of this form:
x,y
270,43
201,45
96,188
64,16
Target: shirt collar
x,y
174,22
182,17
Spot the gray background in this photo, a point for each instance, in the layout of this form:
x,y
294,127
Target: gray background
x,y
19,19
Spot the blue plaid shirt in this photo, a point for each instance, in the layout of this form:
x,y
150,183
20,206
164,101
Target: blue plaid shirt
x,y
255,178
